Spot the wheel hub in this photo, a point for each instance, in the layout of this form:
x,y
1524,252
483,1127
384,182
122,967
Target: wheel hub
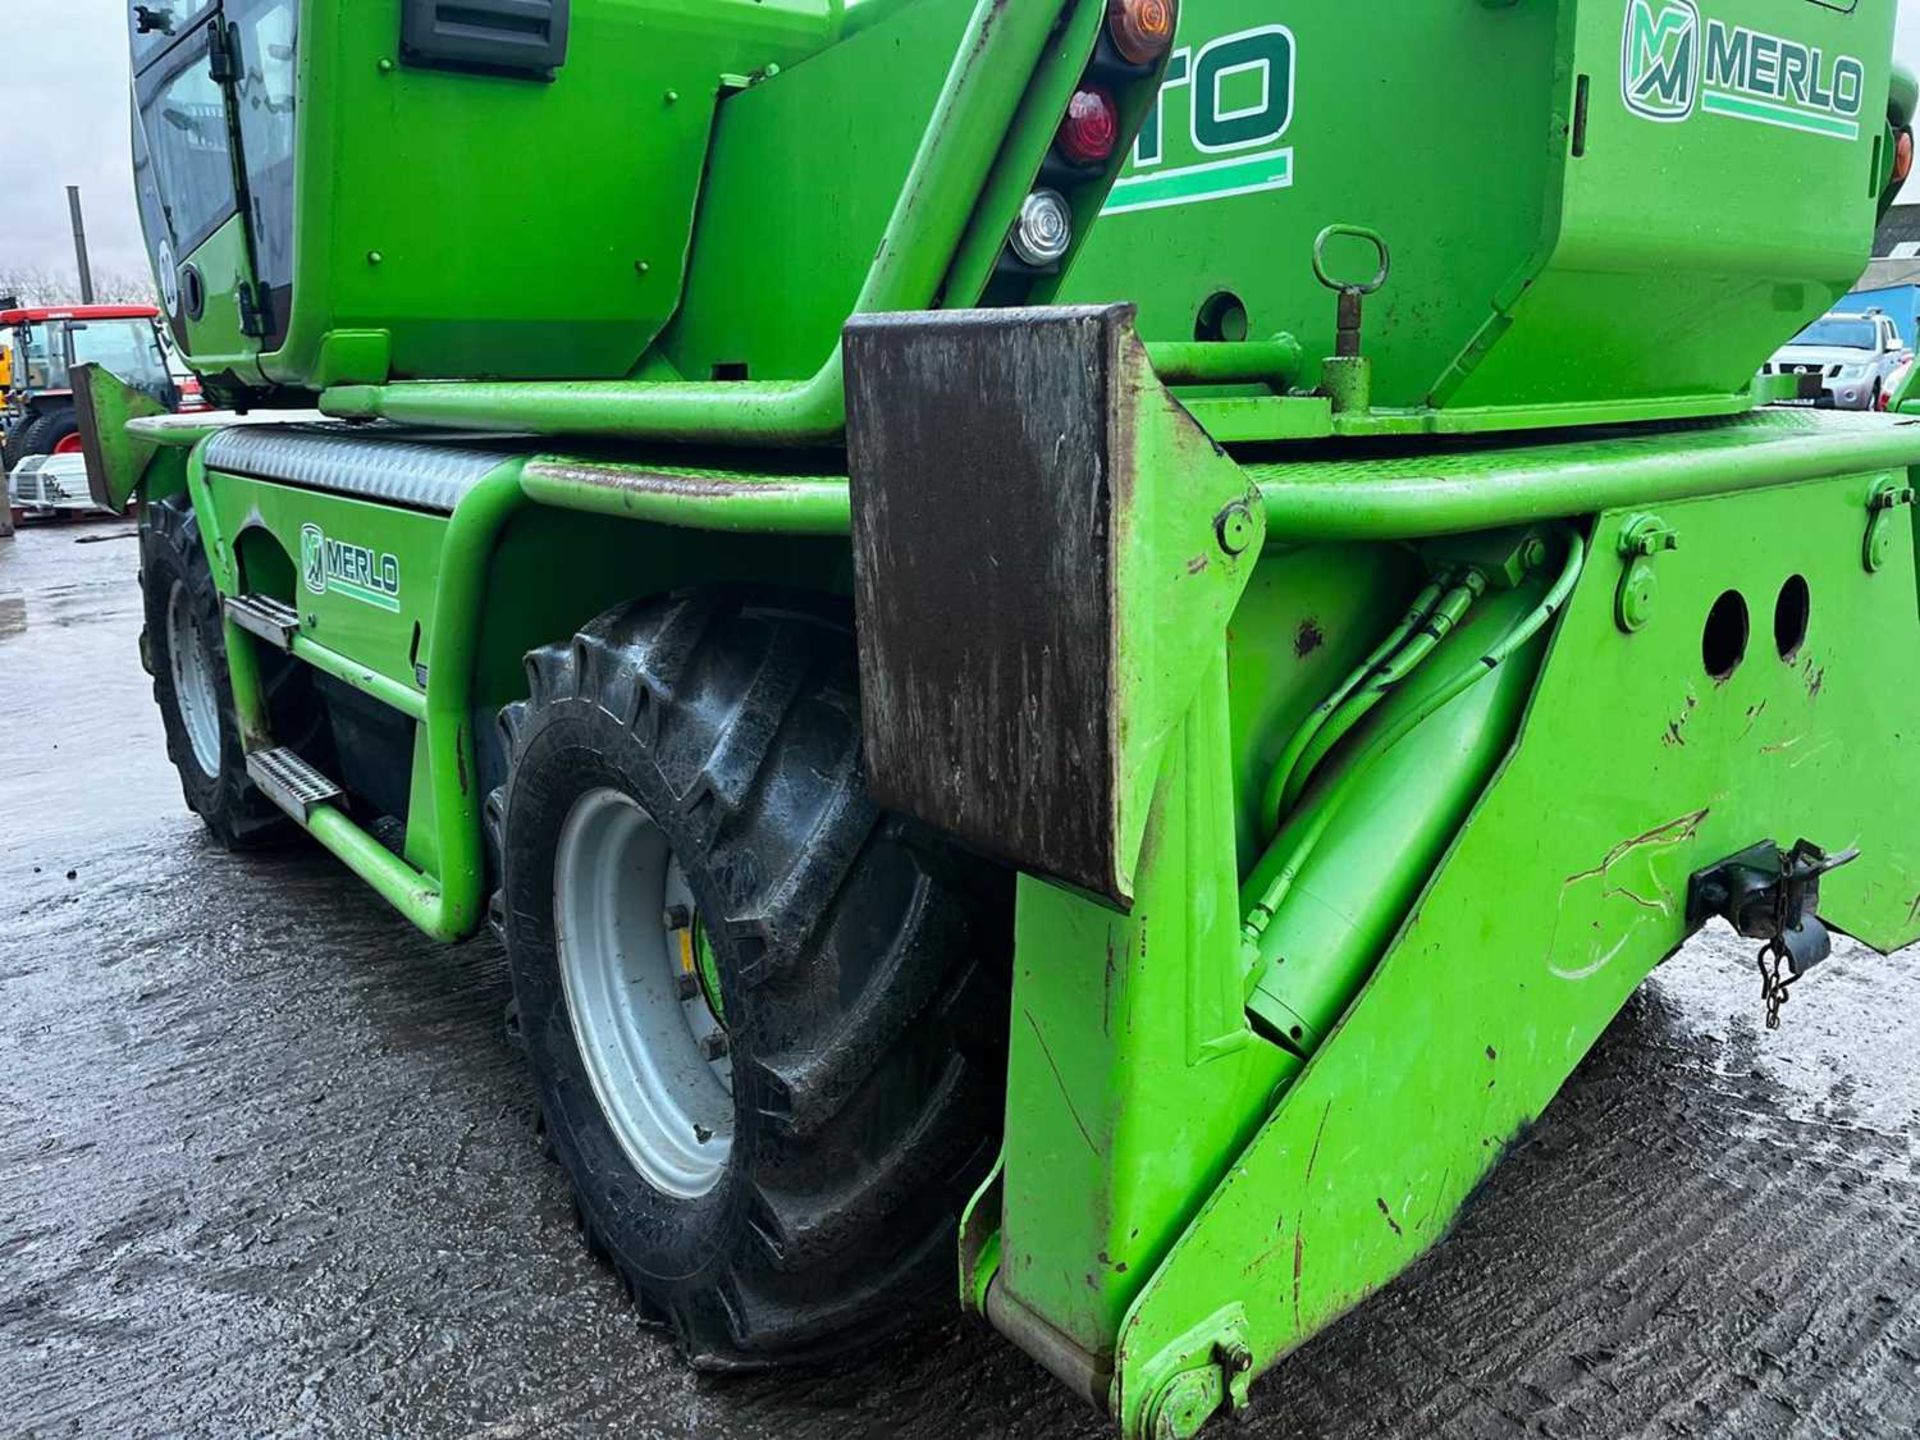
x,y
193,690
642,994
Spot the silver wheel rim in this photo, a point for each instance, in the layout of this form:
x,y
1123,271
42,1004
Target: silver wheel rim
x,y
653,1048
193,689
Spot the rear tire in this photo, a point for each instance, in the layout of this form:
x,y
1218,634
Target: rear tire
x,y
860,964
42,433
185,648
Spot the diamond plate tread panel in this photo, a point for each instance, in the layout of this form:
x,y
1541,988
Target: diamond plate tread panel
x,y
346,460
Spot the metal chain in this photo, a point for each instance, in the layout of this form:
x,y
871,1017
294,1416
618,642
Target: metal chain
x,y
1775,977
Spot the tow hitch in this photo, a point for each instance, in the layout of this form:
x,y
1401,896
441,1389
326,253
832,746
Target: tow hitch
x,y
1771,894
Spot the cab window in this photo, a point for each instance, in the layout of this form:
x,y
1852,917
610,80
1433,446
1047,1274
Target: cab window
x,y
128,348
264,35
188,157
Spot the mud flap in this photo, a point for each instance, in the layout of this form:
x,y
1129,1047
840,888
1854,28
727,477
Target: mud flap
x,y
1045,547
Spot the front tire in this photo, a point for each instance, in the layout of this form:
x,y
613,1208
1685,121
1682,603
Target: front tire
x,y
187,654
690,853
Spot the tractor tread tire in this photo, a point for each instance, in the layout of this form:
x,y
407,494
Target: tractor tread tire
x,y
863,970
38,434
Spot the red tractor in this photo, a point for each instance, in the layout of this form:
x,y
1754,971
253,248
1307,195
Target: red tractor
x,y
44,342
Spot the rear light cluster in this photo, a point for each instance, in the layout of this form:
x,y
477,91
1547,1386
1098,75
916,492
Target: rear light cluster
x,y
1137,36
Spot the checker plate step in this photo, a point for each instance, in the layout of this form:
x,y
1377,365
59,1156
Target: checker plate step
x,y
290,782
261,615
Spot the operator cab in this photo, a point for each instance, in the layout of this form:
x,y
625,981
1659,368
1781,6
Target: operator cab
x,y
44,343
213,172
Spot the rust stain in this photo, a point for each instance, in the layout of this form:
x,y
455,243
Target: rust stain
x,y
1676,727
1313,1156
1106,990
1816,679
1392,1224
1754,712
1299,1257
1060,1081
1673,832
1308,638
645,482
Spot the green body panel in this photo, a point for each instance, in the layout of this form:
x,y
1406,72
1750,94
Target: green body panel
x,y
472,191
447,223
1660,265
840,128
214,340
1531,936
366,626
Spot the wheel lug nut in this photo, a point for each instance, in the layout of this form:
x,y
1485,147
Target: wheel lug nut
x,y
676,917
715,1045
689,985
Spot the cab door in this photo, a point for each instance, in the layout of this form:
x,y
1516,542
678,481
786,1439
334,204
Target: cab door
x,y
188,182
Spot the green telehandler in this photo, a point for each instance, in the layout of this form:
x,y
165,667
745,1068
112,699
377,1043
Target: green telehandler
x,y
1079,648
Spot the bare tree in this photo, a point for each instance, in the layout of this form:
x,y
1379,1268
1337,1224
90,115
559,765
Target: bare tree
x,y
37,285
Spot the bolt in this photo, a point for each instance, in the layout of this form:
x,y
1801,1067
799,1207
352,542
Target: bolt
x,y
672,97
1185,1403
374,257
1879,545
1636,598
1235,1356
1534,554
640,267
1235,528
676,917
714,1045
385,67
688,985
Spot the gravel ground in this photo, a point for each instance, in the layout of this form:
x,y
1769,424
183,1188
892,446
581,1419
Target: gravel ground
x,y
267,1167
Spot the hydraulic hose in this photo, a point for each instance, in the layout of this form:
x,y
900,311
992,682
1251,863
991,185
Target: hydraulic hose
x,y
1261,914
1427,636
1302,737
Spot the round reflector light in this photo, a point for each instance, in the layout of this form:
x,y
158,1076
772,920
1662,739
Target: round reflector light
x,y
1045,229
1142,30
1902,156
1092,128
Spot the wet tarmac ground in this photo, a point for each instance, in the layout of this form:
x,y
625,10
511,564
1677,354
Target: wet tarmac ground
x,y
267,1167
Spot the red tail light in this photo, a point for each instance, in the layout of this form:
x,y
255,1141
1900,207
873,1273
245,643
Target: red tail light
x,y
1142,30
1092,128
1903,157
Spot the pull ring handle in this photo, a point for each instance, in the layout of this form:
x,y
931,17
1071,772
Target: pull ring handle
x,y
1355,232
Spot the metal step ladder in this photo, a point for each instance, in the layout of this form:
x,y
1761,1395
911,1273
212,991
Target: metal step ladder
x,y
290,782
264,617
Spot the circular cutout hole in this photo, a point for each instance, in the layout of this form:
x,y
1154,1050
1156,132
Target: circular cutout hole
x,y
1724,645
1790,615
193,292
1222,317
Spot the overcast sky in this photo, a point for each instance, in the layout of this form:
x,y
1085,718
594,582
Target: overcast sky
x,y
65,123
